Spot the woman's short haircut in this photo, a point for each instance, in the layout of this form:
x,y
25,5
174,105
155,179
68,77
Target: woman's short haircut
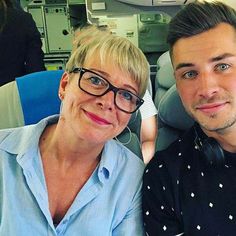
x,y
110,48
198,17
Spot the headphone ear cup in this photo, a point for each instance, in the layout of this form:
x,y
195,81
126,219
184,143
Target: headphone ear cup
x,y
212,152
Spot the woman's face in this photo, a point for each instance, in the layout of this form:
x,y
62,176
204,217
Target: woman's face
x,y
90,118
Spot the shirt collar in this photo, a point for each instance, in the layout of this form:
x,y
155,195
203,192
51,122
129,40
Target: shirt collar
x,y
29,138
28,135
108,161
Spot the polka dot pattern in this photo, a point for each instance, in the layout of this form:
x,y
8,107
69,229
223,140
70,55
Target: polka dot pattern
x,y
184,195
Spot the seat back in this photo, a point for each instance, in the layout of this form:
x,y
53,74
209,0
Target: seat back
x,y
36,97
11,114
39,95
173,117
164,77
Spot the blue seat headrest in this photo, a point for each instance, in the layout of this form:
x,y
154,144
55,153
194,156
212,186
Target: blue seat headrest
x,y
39,94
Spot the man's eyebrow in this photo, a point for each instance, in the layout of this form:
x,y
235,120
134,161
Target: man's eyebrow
x,y
182,65
220,57
214,59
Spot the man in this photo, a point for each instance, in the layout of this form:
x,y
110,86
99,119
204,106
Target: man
x,y
190,188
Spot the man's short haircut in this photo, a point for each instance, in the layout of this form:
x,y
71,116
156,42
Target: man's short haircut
x,y
198,17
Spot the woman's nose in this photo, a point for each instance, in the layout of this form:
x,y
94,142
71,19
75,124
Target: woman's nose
x,y
107,101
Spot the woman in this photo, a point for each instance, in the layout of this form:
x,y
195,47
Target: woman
x,y
148,110
20,43
66,175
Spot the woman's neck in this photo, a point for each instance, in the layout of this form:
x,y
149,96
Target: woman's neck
x,y
67,151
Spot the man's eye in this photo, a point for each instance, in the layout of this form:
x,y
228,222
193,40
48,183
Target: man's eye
x,y
222,67
189,75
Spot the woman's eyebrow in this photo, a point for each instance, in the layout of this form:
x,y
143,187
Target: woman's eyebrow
x,y
103,73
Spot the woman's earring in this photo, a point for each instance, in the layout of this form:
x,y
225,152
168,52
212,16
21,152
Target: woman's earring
x,y
128,140
60,96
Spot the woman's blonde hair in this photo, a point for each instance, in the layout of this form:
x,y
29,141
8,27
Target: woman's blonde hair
x,y
120,51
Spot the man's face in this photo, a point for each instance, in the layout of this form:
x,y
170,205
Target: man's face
x,y
205,71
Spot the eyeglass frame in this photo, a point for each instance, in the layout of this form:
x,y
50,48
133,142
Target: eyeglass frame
x,y
111,87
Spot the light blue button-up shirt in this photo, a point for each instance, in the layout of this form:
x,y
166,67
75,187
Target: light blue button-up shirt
x,y
108,204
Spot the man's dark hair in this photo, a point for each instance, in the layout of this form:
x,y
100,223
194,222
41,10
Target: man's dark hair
x,y
198,17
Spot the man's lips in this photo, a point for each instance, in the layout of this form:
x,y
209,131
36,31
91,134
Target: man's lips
x,y
97,119
211,107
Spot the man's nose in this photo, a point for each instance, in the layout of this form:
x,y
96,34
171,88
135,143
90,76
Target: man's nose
x,y
207,85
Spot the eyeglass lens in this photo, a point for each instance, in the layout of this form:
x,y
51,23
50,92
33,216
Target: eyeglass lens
x,y
98,86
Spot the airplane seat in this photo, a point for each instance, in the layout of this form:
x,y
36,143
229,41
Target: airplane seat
x,y
34,96
39,95
173,117
11,114
164,77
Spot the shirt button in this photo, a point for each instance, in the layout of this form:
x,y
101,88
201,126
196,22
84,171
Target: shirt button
x,y
65,222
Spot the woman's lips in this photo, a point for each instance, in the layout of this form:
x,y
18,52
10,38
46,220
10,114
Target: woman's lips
x,y
97,119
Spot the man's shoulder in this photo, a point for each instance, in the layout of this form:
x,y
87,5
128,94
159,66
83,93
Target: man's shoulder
x,y
175,154
170,157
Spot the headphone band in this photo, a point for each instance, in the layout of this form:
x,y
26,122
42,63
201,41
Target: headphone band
x,y
212,152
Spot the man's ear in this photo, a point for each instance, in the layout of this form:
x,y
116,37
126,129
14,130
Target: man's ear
x,y
63,83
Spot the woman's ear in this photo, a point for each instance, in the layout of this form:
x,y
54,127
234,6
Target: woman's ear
x,y
63,83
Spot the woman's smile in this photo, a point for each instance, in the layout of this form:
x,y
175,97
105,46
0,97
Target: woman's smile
x,y
97,119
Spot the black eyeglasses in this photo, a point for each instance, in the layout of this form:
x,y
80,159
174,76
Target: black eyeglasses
x,y
95,85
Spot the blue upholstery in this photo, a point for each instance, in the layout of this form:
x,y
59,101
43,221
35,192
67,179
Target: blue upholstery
x,y
39,94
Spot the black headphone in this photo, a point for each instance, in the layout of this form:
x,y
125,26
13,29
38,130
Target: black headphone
x,y
212,152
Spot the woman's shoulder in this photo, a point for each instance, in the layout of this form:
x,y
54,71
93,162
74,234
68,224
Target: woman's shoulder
x,y
4,133
124,166
123,152
14,132
123,158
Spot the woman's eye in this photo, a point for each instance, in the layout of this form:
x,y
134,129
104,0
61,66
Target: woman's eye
x,y
96,80
126,95
222,67
189,75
